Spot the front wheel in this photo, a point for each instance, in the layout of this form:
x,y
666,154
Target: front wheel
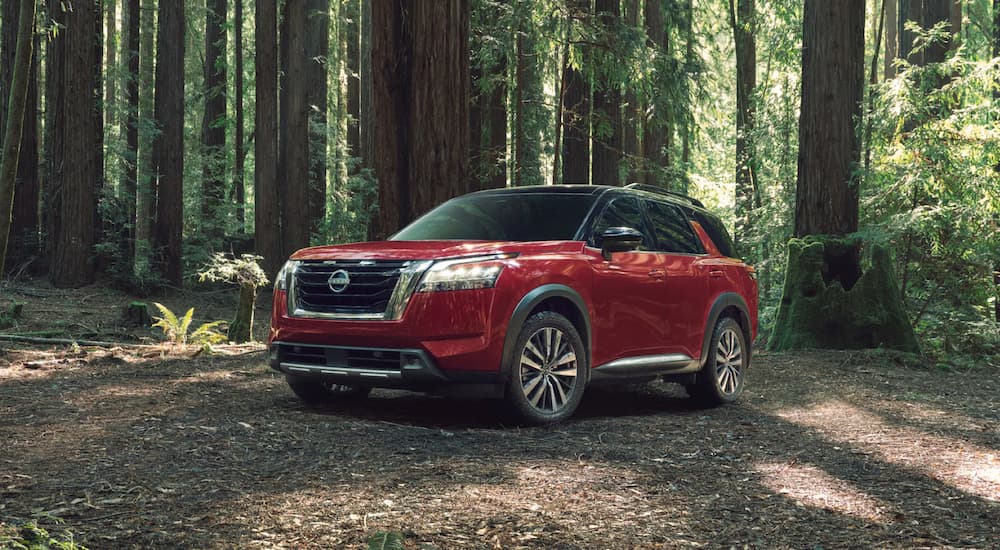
x,y
722,378
548,370
315,392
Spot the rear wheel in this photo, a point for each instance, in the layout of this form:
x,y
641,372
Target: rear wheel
x,y
548,370
315,392
722,378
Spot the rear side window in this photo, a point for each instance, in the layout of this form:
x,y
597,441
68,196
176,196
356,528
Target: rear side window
x,y
673,231
717,232
621,212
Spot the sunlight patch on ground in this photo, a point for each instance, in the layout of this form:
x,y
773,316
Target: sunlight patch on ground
x,y
956,462
813,487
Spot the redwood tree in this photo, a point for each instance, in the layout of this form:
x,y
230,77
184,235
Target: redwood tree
x,y
420,60
741,19
575,117
607,126
168,146
267,229
77,126
213,129
294,181
657,129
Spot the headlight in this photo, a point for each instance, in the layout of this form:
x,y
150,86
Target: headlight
x,y
281,281
463,274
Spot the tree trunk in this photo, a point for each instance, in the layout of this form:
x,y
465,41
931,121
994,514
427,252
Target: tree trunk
x,y
367,121
16,106
23,244
241,329
213,123
956,23
420,61
909,10
317,46
78,184
631,126
934,12
832,83
657,129
129,185
687,118
742,19
353,30
267,233
495,151
576,111
146,181
110,60
168,146
527,137
294,183
239,168
606,128
891,38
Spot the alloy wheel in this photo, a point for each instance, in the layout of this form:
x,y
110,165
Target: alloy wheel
x,y
548,370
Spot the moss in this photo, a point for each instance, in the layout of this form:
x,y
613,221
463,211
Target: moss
x,y
829,303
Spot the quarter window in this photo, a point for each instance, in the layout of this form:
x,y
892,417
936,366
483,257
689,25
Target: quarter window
x,y
672,229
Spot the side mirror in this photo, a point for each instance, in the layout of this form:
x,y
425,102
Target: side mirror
x,y
619,239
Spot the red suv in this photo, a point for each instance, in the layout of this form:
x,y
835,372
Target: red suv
x,y
529,294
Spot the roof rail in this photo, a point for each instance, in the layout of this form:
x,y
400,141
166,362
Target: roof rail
x,y
662,191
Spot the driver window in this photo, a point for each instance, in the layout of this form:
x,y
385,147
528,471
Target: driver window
x,y
621,212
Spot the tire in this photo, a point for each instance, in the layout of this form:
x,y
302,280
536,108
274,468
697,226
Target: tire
x,y
548,370
317,392
722,378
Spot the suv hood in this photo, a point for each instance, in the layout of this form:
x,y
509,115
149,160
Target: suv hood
x,y
432,250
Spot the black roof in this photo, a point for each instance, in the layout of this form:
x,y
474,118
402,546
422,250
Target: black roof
x,y
597,190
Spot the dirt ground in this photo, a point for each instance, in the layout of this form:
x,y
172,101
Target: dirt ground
x,y
151,447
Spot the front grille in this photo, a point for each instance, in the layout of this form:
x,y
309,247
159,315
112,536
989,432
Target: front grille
x,y
321,356
372,283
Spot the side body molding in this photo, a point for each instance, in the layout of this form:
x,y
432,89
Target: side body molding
x,y
528,303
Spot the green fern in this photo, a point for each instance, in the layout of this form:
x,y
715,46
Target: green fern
x,y
385,540
175,329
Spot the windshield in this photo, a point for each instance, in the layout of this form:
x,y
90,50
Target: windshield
x,y
502,217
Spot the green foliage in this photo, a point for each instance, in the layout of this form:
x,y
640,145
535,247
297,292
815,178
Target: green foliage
x,y
243,271
175,329
29,536
385,540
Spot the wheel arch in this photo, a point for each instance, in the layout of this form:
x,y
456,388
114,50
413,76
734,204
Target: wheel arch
x,y
551,297
727,304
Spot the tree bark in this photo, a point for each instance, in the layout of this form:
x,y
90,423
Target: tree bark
x,y
129,181
687,118
294,183
891,39
742,20
607,126
267,228
239,168
78,184
657,129
146,181
352,28
909,10
420,61
576,111
213,129
17,100
528,76
317,46
934,12
829,148
168,146
24,235
631,125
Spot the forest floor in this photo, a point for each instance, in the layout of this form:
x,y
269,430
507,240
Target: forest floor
x,y
176,447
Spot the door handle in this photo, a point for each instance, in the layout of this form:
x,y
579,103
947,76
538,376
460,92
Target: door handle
x,y
657,273
715,273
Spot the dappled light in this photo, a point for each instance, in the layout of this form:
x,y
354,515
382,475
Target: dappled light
x,y
966,466
811,486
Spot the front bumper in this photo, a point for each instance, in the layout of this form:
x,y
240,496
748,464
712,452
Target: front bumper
x,y
412,369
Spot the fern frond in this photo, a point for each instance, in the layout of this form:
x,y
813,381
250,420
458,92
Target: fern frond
x,y
186,324
168,315
206,334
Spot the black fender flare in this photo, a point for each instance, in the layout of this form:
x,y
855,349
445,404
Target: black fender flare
x,y
723,301
525,307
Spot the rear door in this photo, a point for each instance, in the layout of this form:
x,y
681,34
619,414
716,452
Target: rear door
x,y
683,290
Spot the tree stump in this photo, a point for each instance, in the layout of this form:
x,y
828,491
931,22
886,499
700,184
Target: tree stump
x,y
829,302
136,314
241,329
